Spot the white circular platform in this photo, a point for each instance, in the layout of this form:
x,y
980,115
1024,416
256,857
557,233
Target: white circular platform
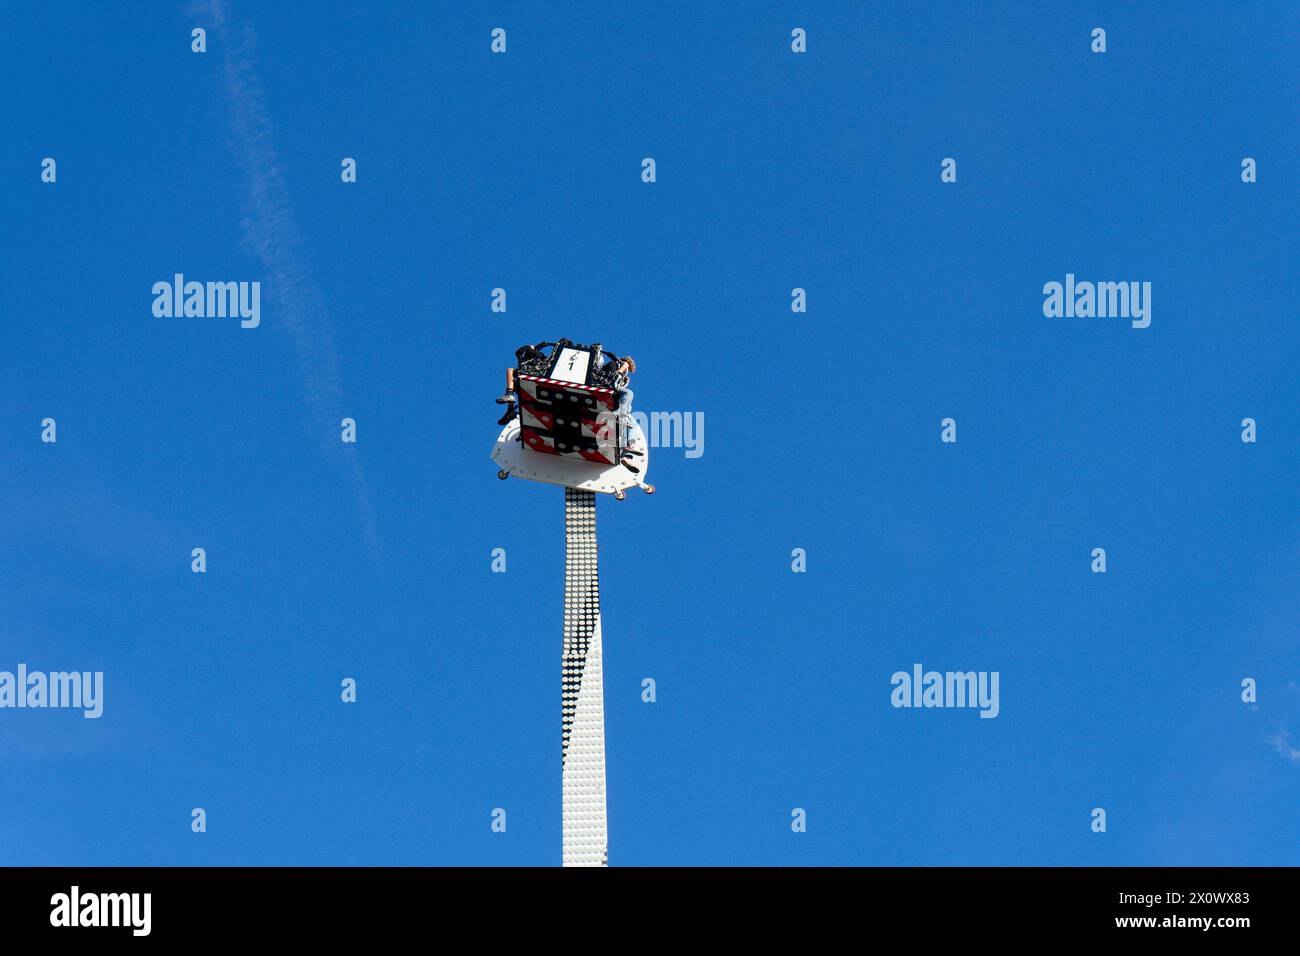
x,y
511,456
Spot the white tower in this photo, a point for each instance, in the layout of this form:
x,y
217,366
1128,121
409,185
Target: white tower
x,y
582,722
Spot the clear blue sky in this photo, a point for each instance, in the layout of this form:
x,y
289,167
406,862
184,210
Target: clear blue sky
x,y
775,171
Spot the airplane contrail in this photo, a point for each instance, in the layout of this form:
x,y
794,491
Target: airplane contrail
x,y
270,231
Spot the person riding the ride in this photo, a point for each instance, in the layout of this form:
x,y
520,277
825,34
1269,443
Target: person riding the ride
x,y
616,370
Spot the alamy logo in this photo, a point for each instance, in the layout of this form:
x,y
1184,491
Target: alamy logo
x,y
82,690
1104,300
75,908
214,300
949,689
661,430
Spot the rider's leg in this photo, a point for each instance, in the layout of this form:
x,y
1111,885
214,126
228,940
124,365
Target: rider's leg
x,y
509,396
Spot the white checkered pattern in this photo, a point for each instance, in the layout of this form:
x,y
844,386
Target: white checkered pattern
x,y
586,841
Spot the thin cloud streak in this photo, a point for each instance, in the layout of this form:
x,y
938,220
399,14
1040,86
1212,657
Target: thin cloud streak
x,y
1281,742
270,232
